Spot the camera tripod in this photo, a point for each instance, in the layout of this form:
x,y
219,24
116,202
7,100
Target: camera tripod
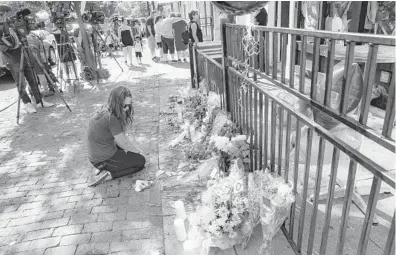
x,y
25,50
65,52
97,50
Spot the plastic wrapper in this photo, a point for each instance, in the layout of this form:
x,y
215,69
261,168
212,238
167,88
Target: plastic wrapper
x,y
275,201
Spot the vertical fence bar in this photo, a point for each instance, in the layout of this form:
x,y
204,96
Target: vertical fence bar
x,y
287,149
261,130
280,142
243,107
315,67
347,205
261,53
295,176
266,106
318,181
255,129
329,204
255,56
390,110
225,65
292,60
240,98
391,238
191,54
284,57
329,72
303,59
196,65
273,135
275,56
305,189
251,128
267,50
370,212
346,84
368,82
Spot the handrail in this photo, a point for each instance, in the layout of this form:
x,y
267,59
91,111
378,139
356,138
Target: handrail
x,y
341,145
365,38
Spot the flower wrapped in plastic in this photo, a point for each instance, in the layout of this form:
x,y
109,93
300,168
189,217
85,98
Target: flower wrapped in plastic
x,y
275,201
224,212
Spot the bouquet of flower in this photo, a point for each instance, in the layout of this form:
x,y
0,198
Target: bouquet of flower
x,y
275,201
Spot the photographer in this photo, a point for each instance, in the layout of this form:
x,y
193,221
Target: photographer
x,y
11,48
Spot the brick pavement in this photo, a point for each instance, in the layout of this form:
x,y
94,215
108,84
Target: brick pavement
x,y
45,204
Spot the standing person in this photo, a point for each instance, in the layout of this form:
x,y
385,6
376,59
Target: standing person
x,y
168,41
138,47
150,30
109,149
179,26
11,55
195,30
158,34
125,34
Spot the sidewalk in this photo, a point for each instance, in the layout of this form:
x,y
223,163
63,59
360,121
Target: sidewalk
x,y
45,204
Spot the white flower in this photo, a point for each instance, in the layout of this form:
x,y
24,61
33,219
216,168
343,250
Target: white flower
x,y
223,212
232,235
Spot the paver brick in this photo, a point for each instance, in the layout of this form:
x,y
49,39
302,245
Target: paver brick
x,y
80,197
31,252
38,234
126,246
61,207
93,202
61,250
136,234
55,223
112,216
97,227
68,230
92,249
126,225
104,209
83,218
44,243
107,236
71,193
77,211
75,239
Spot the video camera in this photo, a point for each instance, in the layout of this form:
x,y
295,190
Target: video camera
x,y
60,13
94,17
20,23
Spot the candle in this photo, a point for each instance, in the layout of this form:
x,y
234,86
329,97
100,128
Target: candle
x,y
179,210
189,246
180,230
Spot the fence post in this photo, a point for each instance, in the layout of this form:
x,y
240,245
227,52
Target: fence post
x,y
191,53
225,63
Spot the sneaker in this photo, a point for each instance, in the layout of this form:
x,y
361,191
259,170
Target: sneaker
x,y
98,179
174,61
45,104
29,108
179,60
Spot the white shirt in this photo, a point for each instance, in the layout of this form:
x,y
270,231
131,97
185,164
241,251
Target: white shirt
x,y
138,47
158,31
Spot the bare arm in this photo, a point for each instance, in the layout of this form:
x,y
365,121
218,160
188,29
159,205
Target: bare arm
x,y
128,144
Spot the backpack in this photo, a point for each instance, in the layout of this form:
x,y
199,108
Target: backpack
x,y
186,37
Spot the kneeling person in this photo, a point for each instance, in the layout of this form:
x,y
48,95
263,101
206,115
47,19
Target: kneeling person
x,y
109,150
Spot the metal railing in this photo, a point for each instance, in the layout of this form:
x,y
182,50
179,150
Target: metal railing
x,y
277,130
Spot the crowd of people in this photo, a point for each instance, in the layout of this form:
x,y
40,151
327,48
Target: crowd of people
x,y
109,150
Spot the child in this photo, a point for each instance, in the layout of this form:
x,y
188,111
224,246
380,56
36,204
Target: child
x,y
138,46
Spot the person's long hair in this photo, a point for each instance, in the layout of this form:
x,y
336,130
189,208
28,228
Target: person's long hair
x,y
115,105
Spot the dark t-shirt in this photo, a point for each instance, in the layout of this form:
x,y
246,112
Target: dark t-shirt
x,y
150,23
101,131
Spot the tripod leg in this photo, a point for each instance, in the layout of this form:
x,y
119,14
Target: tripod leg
x,y
111,53
20,86
50,79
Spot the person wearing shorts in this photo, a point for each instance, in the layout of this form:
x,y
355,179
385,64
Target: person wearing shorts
x,y
125,34
138,47
168,41
158,33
